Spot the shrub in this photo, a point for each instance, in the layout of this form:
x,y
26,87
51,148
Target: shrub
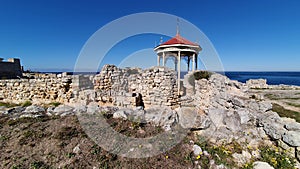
x,y
202,75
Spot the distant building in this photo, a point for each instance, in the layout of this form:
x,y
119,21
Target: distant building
x,y
10,69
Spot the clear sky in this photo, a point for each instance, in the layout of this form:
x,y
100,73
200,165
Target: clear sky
x,y
249,35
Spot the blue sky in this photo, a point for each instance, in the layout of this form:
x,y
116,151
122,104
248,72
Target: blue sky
x,y
256,35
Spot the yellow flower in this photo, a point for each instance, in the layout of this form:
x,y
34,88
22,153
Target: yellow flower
x,y
198,157
274,161
167,157
140,146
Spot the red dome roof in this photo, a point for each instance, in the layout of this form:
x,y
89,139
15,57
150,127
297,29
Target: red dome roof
x,y
179,40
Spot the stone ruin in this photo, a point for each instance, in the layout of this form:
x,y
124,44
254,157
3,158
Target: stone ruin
x,y
134,87
211,104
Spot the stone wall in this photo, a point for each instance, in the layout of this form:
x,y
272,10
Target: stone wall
x,y
132,87
10,69
44,88
156,86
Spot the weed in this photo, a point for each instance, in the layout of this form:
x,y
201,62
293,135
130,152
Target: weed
x,y
26,103
3,138
70,155
276,159
135,125
38,165
95,150
55,104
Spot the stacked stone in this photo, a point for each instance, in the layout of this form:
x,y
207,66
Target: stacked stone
x,y
108,83
45,88
257,83
218,92
159,87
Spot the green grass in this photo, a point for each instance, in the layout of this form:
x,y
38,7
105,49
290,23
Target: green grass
x,y
55,104
293,104
26,103
276,159
274,97
285,112
7,104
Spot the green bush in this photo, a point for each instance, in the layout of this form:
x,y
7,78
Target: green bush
x,y
202,75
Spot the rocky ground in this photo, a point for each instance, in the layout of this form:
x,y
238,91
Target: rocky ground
x,y
226,126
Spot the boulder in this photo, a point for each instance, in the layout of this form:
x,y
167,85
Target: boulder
x,y
63,110
292,138
50,110
216,116
93,108
80,109
77,149
274,130
190,118
242,158
293,126
244,115
15,110
239,102
261,165
137,115
122,114
161,116
34,109
265,106
232,121
197,150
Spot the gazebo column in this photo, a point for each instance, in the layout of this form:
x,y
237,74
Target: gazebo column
x,y
193,61
188,64
178,70
164,59
196,60
158,60
175,63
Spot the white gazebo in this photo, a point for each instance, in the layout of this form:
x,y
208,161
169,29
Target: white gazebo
x,y
178,48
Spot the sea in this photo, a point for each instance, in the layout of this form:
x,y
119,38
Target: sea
x,y
273,78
